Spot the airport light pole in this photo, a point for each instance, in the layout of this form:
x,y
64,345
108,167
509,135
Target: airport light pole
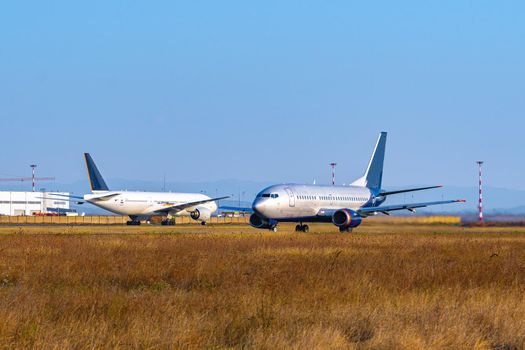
x,y
480,203
33,167
333,172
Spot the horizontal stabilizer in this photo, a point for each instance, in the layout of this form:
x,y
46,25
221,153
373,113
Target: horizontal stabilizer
x,y
66,199
103,196
388,193
65,195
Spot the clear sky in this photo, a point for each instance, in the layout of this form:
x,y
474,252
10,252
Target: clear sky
x,y
264,91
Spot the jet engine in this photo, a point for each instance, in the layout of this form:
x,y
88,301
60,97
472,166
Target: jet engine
x,y
201,214
346,218
258,222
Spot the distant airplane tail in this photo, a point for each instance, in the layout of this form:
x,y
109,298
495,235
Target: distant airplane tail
x,y
96,181
374,173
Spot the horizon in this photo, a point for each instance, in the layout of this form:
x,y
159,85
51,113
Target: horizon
x,y
496,199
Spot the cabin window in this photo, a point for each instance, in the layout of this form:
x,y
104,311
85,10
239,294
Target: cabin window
x,y
265,195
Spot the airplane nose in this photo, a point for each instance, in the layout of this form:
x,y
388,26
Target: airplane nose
x,y
259,206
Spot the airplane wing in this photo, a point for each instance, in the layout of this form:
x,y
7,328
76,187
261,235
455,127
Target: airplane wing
x,y
367,211
179,207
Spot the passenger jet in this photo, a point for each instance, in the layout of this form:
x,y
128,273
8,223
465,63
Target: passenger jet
x,y
344,206
143,205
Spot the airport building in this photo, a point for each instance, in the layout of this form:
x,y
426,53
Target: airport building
x,y
32,203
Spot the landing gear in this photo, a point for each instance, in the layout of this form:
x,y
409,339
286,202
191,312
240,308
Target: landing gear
x,y
167,222
302,228
273,228
133,223
203,223
345,229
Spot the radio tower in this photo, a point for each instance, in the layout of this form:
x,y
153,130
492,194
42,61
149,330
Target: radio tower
x,y
333,173
33,167
480,207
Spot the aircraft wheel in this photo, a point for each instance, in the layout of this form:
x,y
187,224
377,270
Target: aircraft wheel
x,y
133,223
273,228
306,228
298,228
203,223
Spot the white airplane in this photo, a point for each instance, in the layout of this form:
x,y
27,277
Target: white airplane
x,y
143,205
344,206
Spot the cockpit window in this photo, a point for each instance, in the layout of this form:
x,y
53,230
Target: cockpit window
x,y
274,195
265,195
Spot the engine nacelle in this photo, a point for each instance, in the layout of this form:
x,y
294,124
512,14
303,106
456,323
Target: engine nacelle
x,y
258,222
346,218
201,214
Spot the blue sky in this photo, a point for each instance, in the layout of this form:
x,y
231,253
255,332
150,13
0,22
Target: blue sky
x,y
264,91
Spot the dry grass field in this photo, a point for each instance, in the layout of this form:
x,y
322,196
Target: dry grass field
x,y
381,287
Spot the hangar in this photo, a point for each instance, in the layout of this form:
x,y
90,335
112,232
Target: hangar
x,y
31,203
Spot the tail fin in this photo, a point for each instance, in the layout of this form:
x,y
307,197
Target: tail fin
x,y
374,173
95,179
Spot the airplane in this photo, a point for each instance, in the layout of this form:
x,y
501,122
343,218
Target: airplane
x,y
344,206
143,205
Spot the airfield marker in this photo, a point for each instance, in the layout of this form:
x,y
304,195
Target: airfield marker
x,y
480,206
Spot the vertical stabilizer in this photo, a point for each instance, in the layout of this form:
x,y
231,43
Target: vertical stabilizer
x,y
96,181
374,173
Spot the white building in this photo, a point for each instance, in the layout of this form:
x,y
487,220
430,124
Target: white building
x,y
30,203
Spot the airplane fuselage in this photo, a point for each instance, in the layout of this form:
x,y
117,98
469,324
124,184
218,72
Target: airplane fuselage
x,y
145,204
298,203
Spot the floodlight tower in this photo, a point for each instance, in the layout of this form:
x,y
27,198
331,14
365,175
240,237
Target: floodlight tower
x,y
33,167
333,173
480,205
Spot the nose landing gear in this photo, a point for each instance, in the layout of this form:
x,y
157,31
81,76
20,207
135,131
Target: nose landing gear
x,y
302,228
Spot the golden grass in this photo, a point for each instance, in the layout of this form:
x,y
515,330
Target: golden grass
x,y
381,287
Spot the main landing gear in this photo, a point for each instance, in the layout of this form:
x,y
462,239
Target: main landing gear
x,y
133,223
302,228
167,222
345,229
